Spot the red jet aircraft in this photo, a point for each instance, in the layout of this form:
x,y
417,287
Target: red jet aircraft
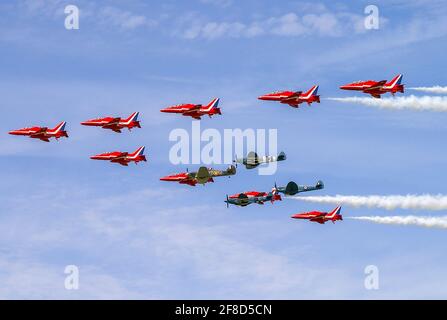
x,y
320,217
115,124
123,158
195,111
293,98
201,176
377,88
42,133
183,178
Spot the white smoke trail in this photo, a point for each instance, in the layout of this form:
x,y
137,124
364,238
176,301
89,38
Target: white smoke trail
x,y
434,89
415,202
427,222
424,103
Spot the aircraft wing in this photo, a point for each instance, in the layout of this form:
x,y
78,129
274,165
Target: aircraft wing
x,y
319,220
193,114
293,96
193,109
375,87
203,175
122,162
112,124
120,157
39,133
244,200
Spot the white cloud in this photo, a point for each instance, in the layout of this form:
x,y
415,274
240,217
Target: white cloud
x,y
219,3
286,25
124,19
154,242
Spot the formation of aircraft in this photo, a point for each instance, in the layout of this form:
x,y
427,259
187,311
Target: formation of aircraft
x,y
115,123
245,198
292,188
320,217
293,98
42,133
123,158
376,88
195,111
253,160
201,176
205,175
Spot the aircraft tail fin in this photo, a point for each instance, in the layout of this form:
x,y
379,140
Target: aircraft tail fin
x,y
132,117
281,156
335,214
139,152
212,105
60,127
395,82
312,92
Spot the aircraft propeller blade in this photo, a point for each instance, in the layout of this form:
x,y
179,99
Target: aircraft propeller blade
x,y
235,160
227,202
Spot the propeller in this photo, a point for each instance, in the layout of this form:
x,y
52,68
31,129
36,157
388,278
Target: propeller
x,y
227,202
235,160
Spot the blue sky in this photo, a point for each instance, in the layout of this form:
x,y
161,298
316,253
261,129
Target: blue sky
x,y
133,236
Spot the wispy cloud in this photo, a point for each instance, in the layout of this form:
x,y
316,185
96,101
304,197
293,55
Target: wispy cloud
x,y
160,240
123,19
286,25
219,3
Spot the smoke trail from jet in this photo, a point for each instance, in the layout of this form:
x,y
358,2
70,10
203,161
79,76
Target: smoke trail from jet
x,y
427,222
391,202
434,89
424,103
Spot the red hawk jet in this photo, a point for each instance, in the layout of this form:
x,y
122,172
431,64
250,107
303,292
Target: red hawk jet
x,y
245,198
293,98
195,111
115,124
377,88
320,217
123,158
42,133
202,176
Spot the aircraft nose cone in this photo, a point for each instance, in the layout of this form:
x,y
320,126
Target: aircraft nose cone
x,y
344,87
